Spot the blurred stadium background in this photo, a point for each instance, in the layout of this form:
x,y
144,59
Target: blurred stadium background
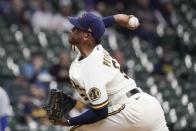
x,y
35,54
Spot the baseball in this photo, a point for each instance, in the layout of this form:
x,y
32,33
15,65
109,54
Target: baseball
x,y
133,22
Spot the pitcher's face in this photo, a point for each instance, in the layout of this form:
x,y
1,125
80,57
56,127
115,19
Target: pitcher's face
x,y
75,36
78,36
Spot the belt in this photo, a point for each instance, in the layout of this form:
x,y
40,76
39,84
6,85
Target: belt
x,y
132,92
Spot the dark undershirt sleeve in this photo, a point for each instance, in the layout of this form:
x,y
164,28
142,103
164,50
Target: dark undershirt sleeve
x,y
90,116
109,21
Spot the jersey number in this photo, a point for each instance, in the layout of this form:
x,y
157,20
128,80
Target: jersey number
x,y
81,91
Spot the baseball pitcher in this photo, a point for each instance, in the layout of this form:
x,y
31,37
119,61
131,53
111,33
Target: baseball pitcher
x,y
114,101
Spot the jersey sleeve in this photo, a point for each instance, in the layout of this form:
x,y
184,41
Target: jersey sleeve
x,y
96,79
5,104
97,96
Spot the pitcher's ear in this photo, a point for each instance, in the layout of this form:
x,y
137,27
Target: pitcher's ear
x,y
86,36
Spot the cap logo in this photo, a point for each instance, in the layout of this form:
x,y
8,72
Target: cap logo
x,y
89,29
80,17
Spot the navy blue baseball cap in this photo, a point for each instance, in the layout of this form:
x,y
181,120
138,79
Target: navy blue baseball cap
x,y
89,22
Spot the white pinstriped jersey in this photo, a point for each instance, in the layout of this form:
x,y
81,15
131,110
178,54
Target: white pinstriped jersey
x,y
98,76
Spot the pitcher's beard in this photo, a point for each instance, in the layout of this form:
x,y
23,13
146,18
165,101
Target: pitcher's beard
x,y
73,47
72,43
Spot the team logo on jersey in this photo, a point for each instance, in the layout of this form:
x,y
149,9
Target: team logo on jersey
x,y
94,93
